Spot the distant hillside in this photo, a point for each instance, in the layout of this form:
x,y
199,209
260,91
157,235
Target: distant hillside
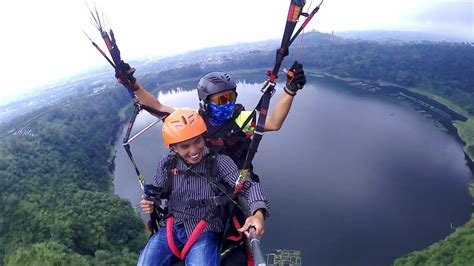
x,y
442,68
405,36
75,87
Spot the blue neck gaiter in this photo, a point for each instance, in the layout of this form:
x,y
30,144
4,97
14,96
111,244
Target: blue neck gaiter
x,y
218,114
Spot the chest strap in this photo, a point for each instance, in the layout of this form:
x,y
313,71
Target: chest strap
x,y
193,203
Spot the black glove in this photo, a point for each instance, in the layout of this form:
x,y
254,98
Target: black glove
x,y
124,70
295,79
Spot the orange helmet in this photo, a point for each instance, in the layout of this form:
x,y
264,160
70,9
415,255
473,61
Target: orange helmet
x,y
182,125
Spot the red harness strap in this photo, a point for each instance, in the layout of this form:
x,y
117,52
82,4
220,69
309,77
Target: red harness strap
x,y
250,261
194,236
237,226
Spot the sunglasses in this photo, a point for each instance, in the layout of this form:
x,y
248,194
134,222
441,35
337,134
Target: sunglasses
x,y
221,99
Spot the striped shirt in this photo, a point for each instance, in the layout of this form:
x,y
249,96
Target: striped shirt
x,y
192,186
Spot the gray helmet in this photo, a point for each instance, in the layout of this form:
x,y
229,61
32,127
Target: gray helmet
x,y
213,83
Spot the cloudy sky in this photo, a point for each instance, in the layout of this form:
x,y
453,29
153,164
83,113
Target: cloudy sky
x,y
42,41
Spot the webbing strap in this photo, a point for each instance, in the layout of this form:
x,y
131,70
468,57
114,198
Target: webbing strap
x,y
237,226
192,203
192,238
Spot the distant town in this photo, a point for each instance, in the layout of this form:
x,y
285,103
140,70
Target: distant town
x,y
283,257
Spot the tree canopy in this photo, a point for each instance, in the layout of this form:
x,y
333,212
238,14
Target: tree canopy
x,y
57,204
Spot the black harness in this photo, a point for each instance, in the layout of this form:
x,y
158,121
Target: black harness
x,y
222,202
223,194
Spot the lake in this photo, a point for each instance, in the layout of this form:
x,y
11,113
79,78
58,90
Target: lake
x,y
353,178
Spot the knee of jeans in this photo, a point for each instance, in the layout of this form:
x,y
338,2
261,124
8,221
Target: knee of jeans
x,y
205,250
156,251
154,241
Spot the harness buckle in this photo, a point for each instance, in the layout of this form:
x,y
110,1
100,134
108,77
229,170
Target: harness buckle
x,y
163,204
193,203
216,200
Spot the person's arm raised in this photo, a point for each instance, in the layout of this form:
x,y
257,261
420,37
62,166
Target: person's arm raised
x,y
278,116
147,99
295,81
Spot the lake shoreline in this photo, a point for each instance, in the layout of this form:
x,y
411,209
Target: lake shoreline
x,y
457,128
466,118
455,124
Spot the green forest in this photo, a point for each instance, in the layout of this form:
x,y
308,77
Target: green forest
x,y
456,249
57,204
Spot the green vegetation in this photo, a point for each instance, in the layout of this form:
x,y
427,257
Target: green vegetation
x,y
442,100
465,129
456,249
466,133
444,69
57,205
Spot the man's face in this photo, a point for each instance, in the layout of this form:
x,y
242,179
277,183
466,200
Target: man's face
x,y
191,150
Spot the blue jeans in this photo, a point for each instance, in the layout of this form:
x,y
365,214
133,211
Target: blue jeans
x,y
205,250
